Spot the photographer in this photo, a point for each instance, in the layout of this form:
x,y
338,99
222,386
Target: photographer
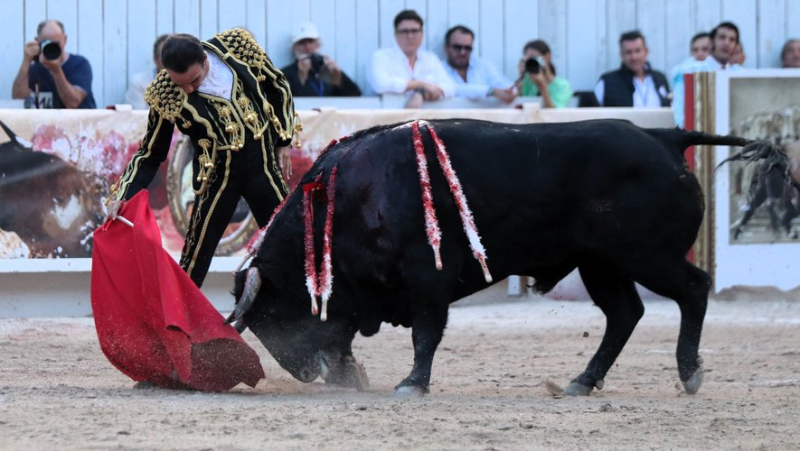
x,y
312,74
538,76
49,76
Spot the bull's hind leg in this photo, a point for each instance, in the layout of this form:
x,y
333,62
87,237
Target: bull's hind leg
x,y
688,285
427,330
616,296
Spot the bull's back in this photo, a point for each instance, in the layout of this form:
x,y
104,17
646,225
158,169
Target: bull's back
x,y
540,194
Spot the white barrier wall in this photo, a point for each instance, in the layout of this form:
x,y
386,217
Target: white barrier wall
x,y
117,35
60,287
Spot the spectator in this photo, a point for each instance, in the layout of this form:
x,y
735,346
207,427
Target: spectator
x,y
537,76
724,39
475,78
312,74
407,69
634,84
700,47
56,78
140,80
790,54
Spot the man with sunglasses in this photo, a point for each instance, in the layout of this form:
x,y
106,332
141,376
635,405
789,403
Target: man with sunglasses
x,y
475,78
407,69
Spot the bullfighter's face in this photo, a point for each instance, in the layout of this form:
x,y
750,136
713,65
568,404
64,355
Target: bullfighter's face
x,y
190,80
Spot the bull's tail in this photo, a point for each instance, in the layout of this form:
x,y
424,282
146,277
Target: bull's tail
x,y
682,139
765,151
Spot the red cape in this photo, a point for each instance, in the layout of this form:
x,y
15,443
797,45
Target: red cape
x,y
153,323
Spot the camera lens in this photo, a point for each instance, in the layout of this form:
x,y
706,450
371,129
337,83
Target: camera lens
x,y
532,66
317,61
51,50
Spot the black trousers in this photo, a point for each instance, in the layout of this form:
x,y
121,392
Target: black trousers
x,y
252,173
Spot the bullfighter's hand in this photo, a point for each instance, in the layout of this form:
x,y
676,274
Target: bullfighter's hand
x,y
285,160
112,209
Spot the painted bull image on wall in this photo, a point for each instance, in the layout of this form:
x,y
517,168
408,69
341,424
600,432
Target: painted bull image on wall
x,y
614,200
52,206
762,180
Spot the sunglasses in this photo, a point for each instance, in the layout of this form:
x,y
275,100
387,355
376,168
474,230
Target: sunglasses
x,y
409,31
461,48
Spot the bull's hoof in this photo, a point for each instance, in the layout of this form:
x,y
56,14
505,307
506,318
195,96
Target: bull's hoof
x,y
576,389
694,382
409,392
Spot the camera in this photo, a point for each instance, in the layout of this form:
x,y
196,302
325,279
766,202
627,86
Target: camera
x,y
50,49
534,65
317,62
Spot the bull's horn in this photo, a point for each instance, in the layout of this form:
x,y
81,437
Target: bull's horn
x,y
251,286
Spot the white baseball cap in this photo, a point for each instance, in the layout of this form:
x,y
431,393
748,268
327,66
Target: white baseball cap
x,y
306,30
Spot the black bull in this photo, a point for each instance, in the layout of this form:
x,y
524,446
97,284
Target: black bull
x,y
614,200
49,203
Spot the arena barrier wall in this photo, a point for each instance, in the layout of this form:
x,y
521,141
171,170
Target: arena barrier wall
x,y
98,143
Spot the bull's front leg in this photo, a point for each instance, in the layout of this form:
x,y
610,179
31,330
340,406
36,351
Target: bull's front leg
x,y
427,329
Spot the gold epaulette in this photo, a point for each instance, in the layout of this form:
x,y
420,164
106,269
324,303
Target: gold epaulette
x,y
242,46
164,96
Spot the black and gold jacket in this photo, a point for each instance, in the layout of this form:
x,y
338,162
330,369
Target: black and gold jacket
x,y
260,111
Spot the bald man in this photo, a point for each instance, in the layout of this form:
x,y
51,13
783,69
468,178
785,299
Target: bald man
x,y
51,77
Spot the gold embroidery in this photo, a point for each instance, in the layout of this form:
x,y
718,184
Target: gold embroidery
x,y
240,44
298,127
164,96
206,165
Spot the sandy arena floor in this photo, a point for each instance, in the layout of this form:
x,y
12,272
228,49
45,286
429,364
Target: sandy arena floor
x,y
57,391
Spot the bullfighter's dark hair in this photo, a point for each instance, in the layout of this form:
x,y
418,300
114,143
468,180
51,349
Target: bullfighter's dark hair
x,y
785,48
181,51
459,28
44,22
157,45
632,36
543,49
701,35
407,14
728,25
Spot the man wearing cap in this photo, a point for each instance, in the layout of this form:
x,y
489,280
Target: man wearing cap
x,y
312,74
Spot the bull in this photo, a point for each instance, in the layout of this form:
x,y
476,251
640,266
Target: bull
x,y
611,199
50,204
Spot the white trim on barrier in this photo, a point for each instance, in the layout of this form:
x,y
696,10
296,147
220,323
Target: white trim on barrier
x,y
51,265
